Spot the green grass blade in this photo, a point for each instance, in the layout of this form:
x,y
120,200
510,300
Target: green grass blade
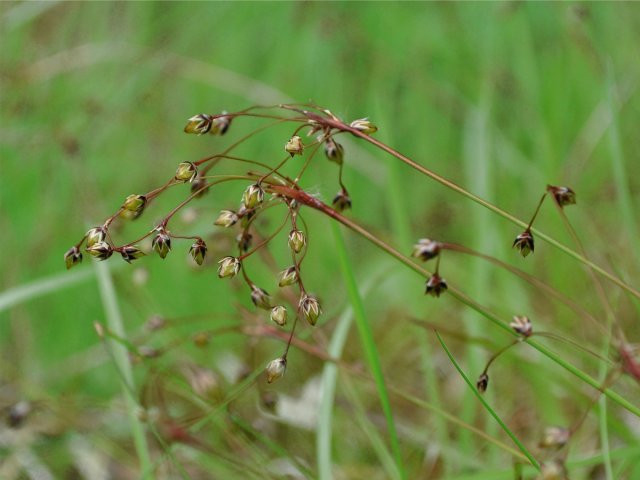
x,y
472,387
114,321
368,343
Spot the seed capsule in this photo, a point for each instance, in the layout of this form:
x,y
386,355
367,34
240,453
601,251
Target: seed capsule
x,y
229,267
310,308
253,196
294,146
226,219
436,285
100,250
482,383
95,235
275,369
364,125
554,437
288,277
133,206
199,124
131,253
279,315
524,243
260,298
198,251
161,244
334,151
342,201
72,257
297,240
426,249
186,172
563,195
522,325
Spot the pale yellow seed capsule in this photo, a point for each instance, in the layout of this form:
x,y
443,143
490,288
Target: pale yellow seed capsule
x,y
275,369
294,146
279,315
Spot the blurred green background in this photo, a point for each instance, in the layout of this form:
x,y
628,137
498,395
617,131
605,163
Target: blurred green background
x,y
502,98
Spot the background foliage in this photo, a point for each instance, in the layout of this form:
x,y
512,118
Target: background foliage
x,y
501,98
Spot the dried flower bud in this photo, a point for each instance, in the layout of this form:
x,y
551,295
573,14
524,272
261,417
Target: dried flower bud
x,y
100,250
275,369
131,253
221,124
334,151
426,249
229,267
288,277
133,206
554,437
72,257
227,218
553,470
244,240
186,172
522,325
199,124
294,146
482,383
563,195
198,251
342,201
161,243
524,243
95,235
436,285
297,240
260,298
364,125
310,308
279,315
199,186
253,196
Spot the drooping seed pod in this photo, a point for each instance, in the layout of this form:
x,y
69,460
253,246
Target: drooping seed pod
x,y
253,196
244,241
294,146
522,325
260,298
334,151
229,267
426,249
364,125
220,124
342,201
130,253
279,315
310,308
161,243
226,219
199,186
275,369
198,251
297,240
563,195
482,383
100,250
186,172
72,257
199,124
524,243
436,285
288,276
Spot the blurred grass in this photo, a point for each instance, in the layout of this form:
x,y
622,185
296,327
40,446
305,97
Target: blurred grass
x,y
94,97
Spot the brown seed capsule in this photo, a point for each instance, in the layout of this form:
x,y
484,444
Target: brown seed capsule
x,y
426,249
260,298
131,253
198,251
342,201
522,325
524,243
199,186
72,257
199,124
436,285
563,195
100,250
161,243
334,151
275,369
482,383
